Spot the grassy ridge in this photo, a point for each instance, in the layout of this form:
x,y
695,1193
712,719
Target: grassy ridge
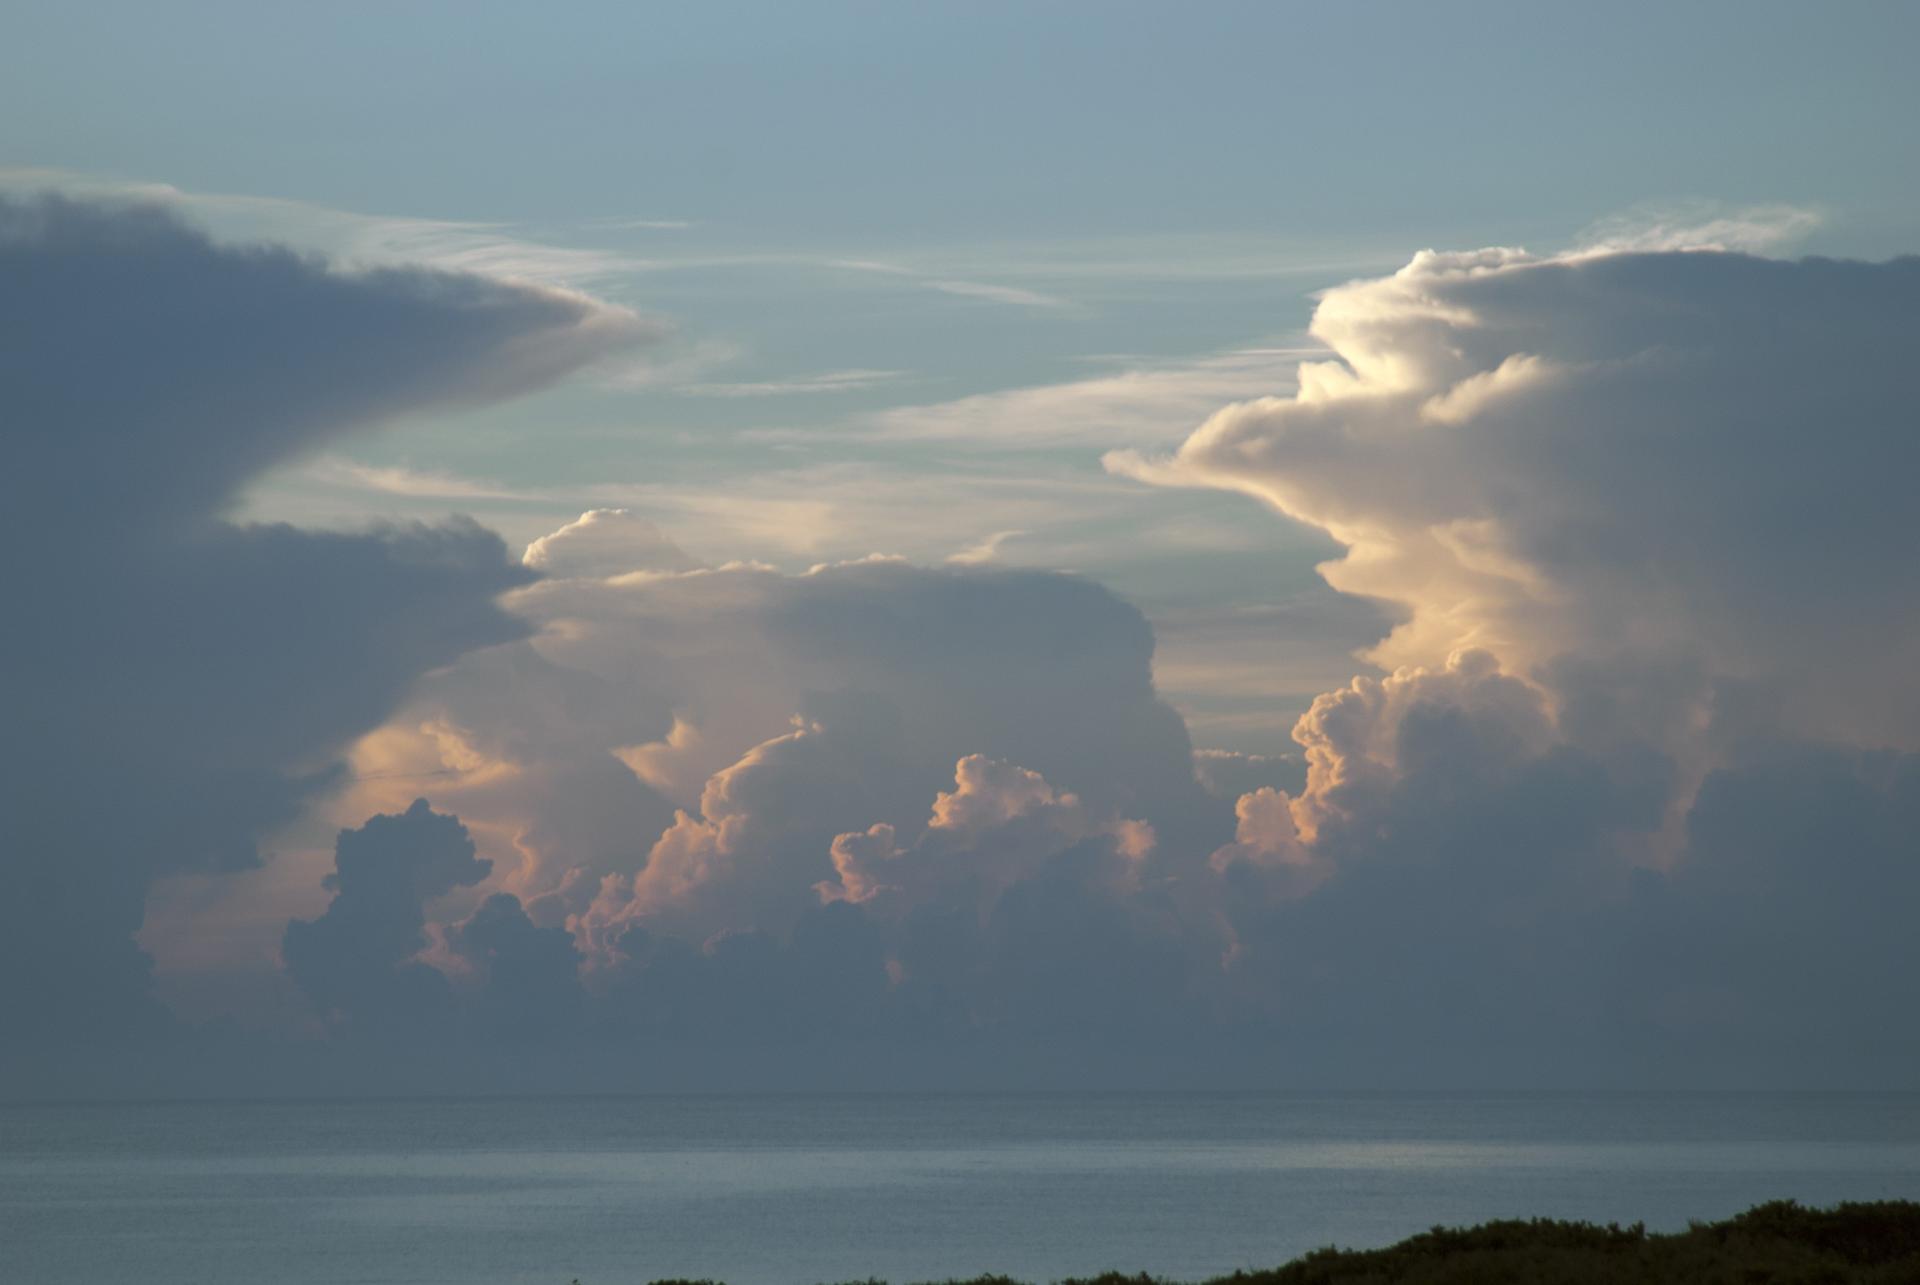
x,y
1781,1243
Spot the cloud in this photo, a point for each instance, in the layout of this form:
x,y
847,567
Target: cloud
x,y
687,686
985,551
991,831
494,250
642,225
1676,460
399,480
1015,912
832,381
1461,877
1145,406
234,360
524,976
1638,512
989,292
1698,226
997,294
606,542
1781,939
193,681
372,971
355,962
1230,774
843,508
1630,799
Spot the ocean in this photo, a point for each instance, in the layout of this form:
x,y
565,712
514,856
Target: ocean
x,y
773,1190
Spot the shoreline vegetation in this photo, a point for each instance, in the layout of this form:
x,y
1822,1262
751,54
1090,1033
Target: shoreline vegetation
x,y
1779,1243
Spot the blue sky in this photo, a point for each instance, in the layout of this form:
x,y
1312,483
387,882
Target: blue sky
x,y
960,285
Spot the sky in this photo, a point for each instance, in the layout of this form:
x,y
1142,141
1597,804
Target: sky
x,y
958,545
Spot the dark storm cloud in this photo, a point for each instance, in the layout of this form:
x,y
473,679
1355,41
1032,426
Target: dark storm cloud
x,y
178,684
358,963
526,977
150,372
1785,937
355,962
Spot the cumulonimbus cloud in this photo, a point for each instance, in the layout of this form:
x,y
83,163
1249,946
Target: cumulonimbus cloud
x,y
179,685
1642,514
1633,793
1696,461
1587,483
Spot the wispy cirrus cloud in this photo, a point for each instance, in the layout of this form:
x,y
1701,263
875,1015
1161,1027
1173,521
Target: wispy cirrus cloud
x,y
1141,405
999,294
945,283
831,381
834,509
622,224
984,551
1698,225
418,484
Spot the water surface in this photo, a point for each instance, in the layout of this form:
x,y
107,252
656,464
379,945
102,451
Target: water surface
x,y
773,1190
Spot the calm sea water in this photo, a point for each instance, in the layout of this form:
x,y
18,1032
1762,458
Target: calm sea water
x,y
769,1190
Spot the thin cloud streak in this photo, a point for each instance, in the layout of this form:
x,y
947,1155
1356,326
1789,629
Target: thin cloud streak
x,y
1698,225
1144,405
999,294
832,381
419,484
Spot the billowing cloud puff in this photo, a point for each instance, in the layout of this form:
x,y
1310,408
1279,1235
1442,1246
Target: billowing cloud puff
x,y
606,542
371,971
355,962
992,830
1266,833
1364,742
1014,912
183,685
